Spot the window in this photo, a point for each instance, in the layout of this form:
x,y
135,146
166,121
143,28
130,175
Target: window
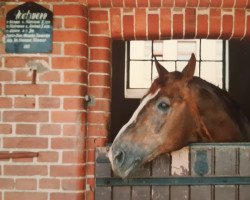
x,y
172,54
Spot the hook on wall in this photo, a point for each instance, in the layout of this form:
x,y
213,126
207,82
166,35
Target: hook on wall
x,y
90,100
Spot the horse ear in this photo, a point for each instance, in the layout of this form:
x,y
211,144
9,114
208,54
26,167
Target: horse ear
x,y
188,71
160,69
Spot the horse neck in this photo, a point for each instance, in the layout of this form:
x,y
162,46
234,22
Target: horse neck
x,y
213,121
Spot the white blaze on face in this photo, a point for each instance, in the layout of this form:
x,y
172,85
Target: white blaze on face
x,y
133,119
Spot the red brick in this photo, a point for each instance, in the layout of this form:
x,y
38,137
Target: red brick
x,y
48,156
178,26
228,3
99,67
98,15
105,3
100,54
51,76
153,26
100,105
23,75
73,184
57,23
67,117
99,28
99,80
93,3
6,183
204,3
75,49
67,171
75,76
64,143
227,26
5,129
70,9
57,49
68,90
50,129
6,75
92,143
130,3
128,27
20,62
100,92
142,3
26,195
27,89
97,130
49,102
180,3
192,3
67,196
25,170
241,3
25,142
165,22
74,130
91,157
98,118
26,184
239,23
215,3
26,129
70,36
115,23
25,102
202,26
73,157
25,116
167,3
49,183
100,41
5,102
73,103
215,18
190,22
75,23
69,63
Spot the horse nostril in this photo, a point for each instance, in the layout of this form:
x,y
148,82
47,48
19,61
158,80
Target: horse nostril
x,y
119,157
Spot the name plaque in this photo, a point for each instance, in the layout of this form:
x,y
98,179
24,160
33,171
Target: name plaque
x,y
29,29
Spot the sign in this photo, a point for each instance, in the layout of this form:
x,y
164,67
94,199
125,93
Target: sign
x,y
29,29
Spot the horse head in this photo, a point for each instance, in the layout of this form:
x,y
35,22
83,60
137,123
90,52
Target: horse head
x,y
177,110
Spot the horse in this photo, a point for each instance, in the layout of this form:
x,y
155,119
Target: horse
x,y
178,109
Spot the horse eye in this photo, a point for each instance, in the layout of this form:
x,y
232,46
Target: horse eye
x,y
163,106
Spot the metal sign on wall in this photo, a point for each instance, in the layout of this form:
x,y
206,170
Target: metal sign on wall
x,y
29,29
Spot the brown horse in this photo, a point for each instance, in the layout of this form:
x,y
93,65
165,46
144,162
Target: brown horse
x,y
177,110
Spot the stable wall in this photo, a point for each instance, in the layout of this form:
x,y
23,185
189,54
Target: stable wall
x,y
51,116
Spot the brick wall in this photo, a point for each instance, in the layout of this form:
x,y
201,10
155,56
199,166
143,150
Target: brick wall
x,y
47,117
51,117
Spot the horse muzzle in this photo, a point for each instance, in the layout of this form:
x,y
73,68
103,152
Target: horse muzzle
x,y
124,161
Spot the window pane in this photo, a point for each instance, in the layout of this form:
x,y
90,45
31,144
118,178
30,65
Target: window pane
x,y
170,66
140,74
140,50
158,48
185,48
181,65
169,50
212,72
211,49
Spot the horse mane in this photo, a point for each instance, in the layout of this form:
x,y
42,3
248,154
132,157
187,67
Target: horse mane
x,y
229,104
